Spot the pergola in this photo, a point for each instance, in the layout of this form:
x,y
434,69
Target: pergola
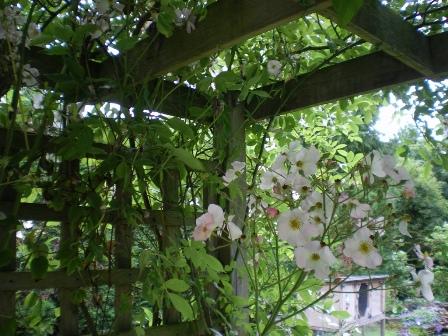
x,y
406,55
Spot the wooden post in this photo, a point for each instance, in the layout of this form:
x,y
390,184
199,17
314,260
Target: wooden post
x,y
237,204
8,246
68,322
230,145
383,327
171,233
123,254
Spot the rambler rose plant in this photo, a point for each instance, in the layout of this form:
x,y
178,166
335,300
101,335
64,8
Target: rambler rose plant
x,y
329,216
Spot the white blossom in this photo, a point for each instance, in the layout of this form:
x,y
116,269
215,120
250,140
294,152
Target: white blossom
x,y
360,248
359,210
233,173
233,229
298,183
315,257
424,278
294,227
29,75
206,223
274,67
305,160
403,228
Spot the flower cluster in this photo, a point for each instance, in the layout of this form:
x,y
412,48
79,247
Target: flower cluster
x,y
320,207
11,22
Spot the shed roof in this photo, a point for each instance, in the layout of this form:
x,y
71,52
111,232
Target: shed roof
x,y
357,278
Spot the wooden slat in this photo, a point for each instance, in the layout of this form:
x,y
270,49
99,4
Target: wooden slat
x,y
8,243
42,212
21,139
69,318
227,23
162,96
123,257
14,281
171,233
354,77
382,26
196,328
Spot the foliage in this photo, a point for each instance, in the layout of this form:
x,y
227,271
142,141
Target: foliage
x,y
125,183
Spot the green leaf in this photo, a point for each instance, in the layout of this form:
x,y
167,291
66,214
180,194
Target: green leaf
x,y
180,126
181,305
188,158
341,314
226,80
126,43
165,24
39,267
177,285
30,299
213,263
346,10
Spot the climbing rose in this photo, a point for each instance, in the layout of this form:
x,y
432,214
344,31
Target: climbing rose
x,y
274,67
305,160
233,229
424,278
315,257
232,173
360,248
360,210
403,228
206,223
294,227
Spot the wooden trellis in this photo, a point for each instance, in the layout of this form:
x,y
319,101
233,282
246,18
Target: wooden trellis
x,y
405,56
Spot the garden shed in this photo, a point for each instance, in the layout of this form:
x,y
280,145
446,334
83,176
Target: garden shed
x,y
363,297
118,120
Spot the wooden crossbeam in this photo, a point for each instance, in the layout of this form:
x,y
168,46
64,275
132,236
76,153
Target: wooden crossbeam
x,y
42,212
14,281
380,25
347,79
22,140
162,96
227,23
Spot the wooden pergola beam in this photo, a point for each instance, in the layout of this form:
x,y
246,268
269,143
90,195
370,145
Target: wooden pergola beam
x,y
347,79
227,23
14,281
383,27
42,212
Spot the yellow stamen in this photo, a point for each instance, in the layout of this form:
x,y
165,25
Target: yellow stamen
x,y
295,224
315,257
365,247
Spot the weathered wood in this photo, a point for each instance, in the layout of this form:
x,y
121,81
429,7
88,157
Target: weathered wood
x,y
237,204
42,212
162,96
8,244
123,257
171,231
230,145
68,321
193,328
226,24
382,26
14,281
346,79
21,140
